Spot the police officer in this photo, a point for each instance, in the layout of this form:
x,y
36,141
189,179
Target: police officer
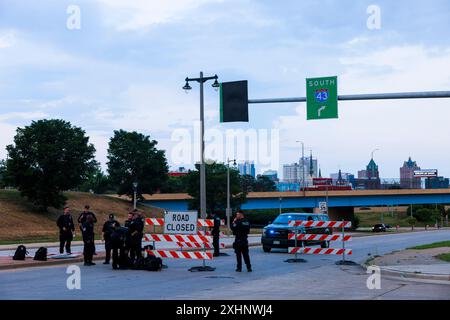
x,y
241,229
127,244
87,229
66,230
136,229
118,237
83,216
108,228
216,234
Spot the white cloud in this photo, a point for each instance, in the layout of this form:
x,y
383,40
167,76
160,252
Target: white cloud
x,y
137,14
7,38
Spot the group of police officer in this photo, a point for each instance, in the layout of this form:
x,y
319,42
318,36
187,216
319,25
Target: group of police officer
x,y
125,242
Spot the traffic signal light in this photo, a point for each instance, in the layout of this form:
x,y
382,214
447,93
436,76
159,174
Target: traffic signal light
x,y
234,101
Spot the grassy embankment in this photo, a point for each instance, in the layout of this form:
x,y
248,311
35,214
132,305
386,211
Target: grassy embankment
x,y
22,222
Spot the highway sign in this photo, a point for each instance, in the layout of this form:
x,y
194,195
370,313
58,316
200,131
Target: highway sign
x,y
321,98
425,173
184,222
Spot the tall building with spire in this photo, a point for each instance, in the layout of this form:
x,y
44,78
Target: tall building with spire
x,y
407,179
370,177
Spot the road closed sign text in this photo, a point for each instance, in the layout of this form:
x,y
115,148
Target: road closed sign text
x,y
180,222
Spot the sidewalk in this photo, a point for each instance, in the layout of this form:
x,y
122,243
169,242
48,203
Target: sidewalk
x,y
7,251
439,272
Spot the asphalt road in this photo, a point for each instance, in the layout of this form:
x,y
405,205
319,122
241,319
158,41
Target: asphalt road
x,y
318,278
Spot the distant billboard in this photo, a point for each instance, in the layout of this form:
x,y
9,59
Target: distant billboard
x,y
426,173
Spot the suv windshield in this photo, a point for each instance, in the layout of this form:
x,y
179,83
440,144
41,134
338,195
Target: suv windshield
x,y
284,219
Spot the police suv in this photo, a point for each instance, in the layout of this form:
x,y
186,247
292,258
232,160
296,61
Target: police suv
x,y
275,235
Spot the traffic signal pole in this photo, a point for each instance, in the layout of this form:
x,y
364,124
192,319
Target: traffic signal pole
x,y
371,96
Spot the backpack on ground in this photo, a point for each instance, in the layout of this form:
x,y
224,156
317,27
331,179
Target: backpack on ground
x,y
41,254
153,263
20,253
139,264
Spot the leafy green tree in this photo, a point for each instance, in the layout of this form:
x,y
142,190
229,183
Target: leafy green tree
x,y
175,185
216,188
423,214
133,157
3,179
97,182
264,184
247,182
412,222
47,158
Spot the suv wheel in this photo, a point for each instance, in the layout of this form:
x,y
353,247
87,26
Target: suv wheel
x,y
325,244
266,249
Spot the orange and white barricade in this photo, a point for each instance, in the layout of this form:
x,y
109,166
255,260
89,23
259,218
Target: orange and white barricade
x,y
199,255
303,237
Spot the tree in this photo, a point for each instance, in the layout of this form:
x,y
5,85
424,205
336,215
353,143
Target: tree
x,y
3,182
264,184
97,182
175,185
47,158
133,157
247,183
216,188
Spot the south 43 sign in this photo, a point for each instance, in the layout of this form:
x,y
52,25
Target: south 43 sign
x,y
321,98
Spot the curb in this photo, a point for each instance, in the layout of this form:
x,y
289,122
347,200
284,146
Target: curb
x,y
411,275
80,260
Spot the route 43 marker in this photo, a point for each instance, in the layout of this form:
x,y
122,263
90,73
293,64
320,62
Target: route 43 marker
x,y
321,98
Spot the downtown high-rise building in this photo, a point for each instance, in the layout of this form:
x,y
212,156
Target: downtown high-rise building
x,y
407,179
247,168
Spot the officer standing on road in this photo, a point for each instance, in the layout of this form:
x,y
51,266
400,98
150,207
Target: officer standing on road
x,y
108,228
136,231
216,234
83,216
118,237
88,239
241,229
66,230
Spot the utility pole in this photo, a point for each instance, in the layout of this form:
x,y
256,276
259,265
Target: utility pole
x,y
228,213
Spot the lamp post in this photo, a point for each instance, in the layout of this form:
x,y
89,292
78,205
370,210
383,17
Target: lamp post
x,y
201,80
135,185
228,213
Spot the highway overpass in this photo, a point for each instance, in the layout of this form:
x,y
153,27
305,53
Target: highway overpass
x,y
341,203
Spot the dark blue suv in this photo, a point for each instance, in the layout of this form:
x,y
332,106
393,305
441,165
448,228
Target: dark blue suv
x,y
275,235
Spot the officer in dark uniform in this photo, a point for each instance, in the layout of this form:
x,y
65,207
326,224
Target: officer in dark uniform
x,y
241,229
82,218
136,232
87,229
216,234
66,230
118,237
108,228
127,224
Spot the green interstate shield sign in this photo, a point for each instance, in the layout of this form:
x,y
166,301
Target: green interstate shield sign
x,y
321,98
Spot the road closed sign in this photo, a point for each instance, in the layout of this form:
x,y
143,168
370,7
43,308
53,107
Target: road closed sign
x,y
183,222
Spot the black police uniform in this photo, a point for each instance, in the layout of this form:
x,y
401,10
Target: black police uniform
x,y
216,234
87,229
119,256
66,229
136,229
127,243
108,228
241,229
82,219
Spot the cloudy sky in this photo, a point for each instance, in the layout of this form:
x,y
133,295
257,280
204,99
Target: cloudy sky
x,y
124,69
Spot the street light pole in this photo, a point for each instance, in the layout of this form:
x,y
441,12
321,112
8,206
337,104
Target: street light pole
x,y
228,213
201,80
303,166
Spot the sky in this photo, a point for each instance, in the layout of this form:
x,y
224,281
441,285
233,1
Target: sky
x,y
106,65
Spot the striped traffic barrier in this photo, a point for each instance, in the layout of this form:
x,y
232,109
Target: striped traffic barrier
x,y
200,255
200,222
319,237
206,245
308,250
177,238
324,224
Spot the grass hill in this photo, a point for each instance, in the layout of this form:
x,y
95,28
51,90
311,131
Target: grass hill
x,y
21,221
